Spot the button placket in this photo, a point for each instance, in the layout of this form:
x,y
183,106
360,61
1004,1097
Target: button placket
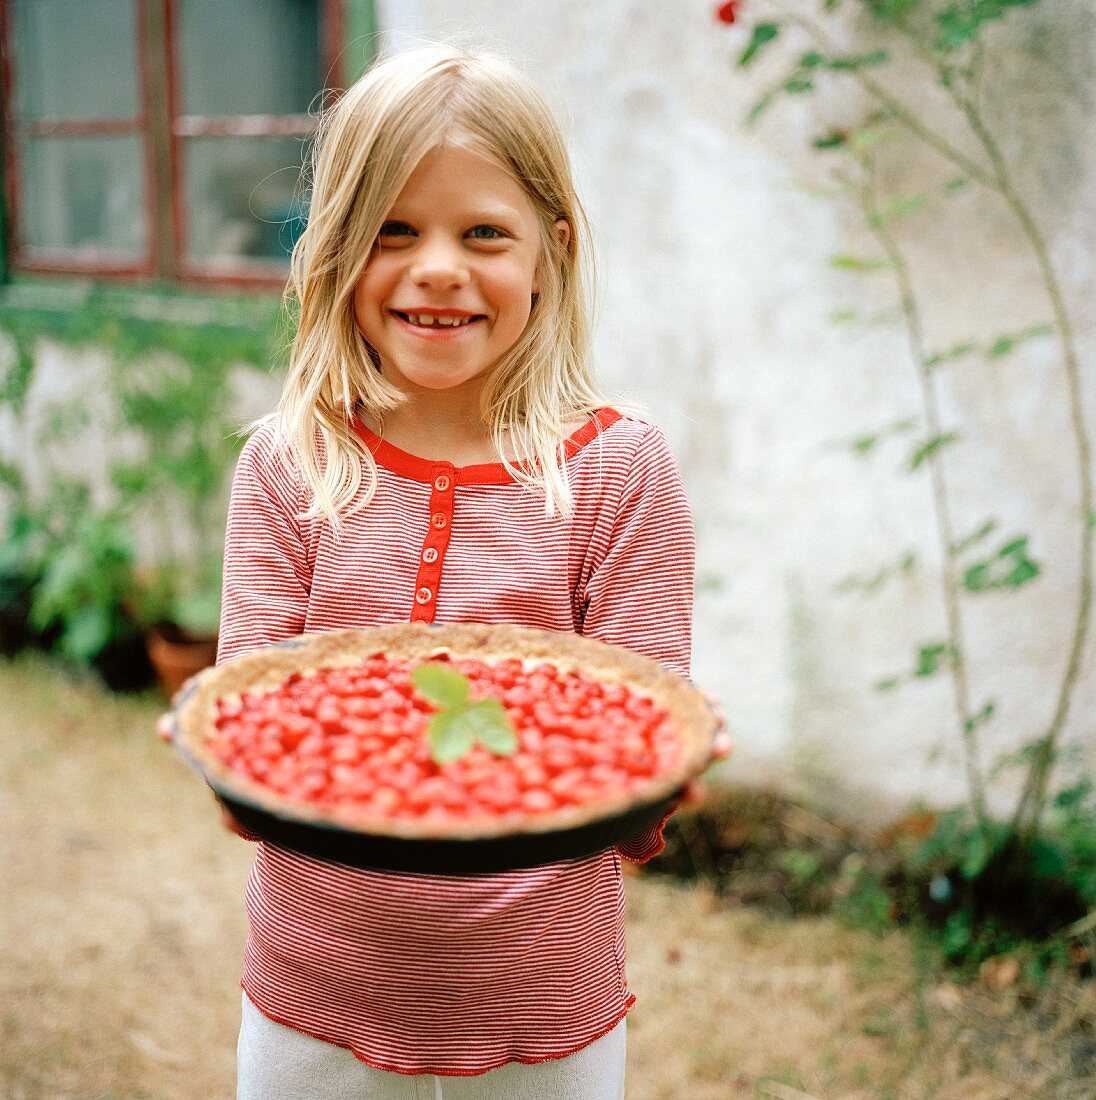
x,y
439,520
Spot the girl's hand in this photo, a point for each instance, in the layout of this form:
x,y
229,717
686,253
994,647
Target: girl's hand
x,y
165,728
231,824
722,743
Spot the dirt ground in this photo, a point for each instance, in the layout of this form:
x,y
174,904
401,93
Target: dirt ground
x,y
121,925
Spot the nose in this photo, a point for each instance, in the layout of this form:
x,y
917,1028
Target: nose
x,y
438,264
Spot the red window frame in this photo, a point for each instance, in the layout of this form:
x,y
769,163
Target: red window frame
x,y
166,220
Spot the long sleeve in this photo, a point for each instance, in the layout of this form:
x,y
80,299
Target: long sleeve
x,y
639,586
267,576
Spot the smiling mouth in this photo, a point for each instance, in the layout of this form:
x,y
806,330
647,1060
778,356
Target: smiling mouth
x,y
432,320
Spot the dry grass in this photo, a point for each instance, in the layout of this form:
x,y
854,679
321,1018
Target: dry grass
x,y
121,924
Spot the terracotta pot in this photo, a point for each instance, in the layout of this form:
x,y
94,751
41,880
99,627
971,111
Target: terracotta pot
x,y
176,655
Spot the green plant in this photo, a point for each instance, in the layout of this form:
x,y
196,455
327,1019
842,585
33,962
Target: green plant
x,y
989,896
22,552
170,377
86,574
179,411
972,853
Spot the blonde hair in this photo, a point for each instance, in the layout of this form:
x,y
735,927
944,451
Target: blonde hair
x,y
368,144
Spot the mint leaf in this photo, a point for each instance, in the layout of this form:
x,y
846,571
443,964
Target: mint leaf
x,y
451,735
441,685
459,724
489,719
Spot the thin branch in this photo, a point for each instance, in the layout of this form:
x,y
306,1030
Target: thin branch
x,y
899,111
1025,821
998,179
945,529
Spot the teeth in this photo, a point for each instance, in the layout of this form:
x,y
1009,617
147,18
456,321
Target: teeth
x,y
429,319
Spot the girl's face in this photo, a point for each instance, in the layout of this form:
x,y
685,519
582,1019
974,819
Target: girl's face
x,y
448,289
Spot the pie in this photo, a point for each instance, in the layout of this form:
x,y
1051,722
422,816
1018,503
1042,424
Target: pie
x,y
330,730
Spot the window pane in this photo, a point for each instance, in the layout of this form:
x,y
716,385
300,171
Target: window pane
x,y
83,194
248,57
240,197
75,59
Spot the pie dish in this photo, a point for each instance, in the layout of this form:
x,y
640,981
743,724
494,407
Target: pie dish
x,y
360,836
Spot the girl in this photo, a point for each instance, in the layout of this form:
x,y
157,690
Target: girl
x,y
441,453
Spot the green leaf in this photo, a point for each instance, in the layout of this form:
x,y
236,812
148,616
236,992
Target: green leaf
x,y
760,107
973,539
931,658
441,685
763,34
960,23
931,446
956,352
860,61
901,205
456,728
492,726
867,136
1010,567
855,582
973,721
871,584
856,263
811,60
198,612
451,735
833,140
797,84
87,632
864,444
976,852
1007,342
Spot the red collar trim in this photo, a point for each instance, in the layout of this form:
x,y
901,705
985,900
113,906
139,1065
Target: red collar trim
x,y
488,473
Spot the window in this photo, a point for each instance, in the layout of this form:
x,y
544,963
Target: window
x,y
161,139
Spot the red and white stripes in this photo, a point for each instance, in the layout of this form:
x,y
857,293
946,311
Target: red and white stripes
x,y
456,975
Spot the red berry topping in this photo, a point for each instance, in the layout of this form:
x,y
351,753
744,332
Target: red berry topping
x,y
356,739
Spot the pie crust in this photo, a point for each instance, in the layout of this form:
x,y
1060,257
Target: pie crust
x,y
265,669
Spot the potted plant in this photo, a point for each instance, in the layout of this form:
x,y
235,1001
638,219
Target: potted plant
x,y
21,558
84,586
178,409
184,612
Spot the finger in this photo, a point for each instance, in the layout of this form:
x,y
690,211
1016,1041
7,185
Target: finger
x,y
165,728
722,746
716,705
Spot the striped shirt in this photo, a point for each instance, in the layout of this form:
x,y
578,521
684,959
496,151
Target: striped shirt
x,y
446,974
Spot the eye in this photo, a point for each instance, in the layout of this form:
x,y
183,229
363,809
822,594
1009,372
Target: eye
x,y
486,233
395,229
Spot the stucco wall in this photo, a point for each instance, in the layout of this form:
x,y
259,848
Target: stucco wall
x,y
716,303
717,294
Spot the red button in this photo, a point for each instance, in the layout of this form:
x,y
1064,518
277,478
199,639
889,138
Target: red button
x,y
429,555
424,595
441,483
438,520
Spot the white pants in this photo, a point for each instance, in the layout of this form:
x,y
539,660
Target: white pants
x,y
275,1062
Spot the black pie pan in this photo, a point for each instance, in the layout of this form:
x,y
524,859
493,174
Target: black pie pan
x,y
431,855
434,856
